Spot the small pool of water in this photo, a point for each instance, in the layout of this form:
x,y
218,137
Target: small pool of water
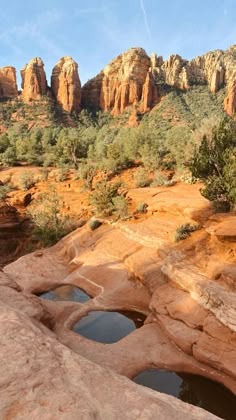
x,y
192,389
67,292
108,327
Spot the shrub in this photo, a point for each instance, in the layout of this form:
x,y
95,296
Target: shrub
x,y
102,197
158,180
50,225
94,224
4,189
120,206
26,181
141,207
44,173
86,173
183,231
141,178
62,174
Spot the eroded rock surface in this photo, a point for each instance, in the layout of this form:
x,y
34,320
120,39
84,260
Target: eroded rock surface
x,y
134,78
42,378
34,83
230,100
65,84
120,84
8,84
186,290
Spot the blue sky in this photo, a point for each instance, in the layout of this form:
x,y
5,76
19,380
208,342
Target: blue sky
x,y
94,32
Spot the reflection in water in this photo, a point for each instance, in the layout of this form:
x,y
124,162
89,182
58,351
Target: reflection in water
x,y
192,389
66,292
108,327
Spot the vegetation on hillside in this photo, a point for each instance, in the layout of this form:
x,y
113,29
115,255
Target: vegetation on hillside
x,y
100,139
50,224
180,127
214,163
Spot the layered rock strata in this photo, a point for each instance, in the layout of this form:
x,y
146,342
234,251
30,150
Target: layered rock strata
x,y
65,84
8,84
120,84
133,77
34,82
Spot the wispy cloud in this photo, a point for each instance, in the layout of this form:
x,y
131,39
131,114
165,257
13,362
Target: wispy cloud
x,y
34,30
145,19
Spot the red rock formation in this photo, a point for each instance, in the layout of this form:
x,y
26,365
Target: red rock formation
x,y
121,83
133,119
34,83
8,85
133,76
149,94
230,100
66,85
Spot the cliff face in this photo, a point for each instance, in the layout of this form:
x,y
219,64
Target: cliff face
x,y
131,79
66,85
34,82
230,100
120,84
8,85
134,77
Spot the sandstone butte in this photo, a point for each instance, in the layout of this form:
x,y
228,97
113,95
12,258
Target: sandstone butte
x,y
186,290
8,85
34,82
134,78
65,84
131,79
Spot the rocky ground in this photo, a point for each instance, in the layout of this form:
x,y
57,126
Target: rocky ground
x,y
186,290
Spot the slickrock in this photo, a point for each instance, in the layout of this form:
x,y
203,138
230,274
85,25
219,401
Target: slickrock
x,y
8,84
138,266
34,83
65,84
48,380
135,266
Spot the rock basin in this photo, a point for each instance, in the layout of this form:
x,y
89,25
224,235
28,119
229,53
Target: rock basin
x,y
192,389
108,327
66,293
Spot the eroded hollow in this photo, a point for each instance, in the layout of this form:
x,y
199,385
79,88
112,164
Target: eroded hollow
x,y
108,327
192,389
66,293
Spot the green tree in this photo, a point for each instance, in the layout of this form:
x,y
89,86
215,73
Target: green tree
x,y
71,146
215,164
